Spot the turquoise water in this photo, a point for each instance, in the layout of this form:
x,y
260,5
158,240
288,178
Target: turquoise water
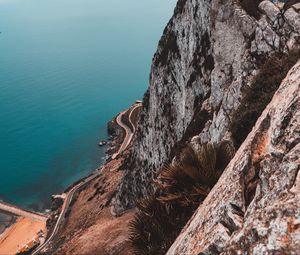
x,y
67,67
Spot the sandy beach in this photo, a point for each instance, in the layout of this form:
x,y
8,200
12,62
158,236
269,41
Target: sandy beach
x,y
19,234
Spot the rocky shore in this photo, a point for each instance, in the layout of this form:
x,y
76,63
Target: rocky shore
x,y
102,189
91,206
116,136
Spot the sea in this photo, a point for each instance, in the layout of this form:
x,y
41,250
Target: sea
x,y
66,68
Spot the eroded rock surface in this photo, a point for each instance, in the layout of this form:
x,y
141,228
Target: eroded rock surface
x,y
208,54
255,206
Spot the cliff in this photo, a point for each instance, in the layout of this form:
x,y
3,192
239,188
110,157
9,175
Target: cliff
x,y
204,77
268,164
201,75
225,72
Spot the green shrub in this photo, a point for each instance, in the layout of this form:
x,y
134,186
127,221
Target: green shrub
x,y
181,187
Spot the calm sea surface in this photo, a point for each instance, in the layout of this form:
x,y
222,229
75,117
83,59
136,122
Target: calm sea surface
x,y
66,68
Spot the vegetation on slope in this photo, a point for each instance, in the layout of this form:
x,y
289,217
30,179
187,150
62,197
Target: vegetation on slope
x,y
259,94
180,189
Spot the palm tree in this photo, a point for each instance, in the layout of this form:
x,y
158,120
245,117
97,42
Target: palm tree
x,y
180,189
196,172
156,225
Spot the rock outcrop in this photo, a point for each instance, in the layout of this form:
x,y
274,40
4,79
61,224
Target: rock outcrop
x,y
207,57
204,75
254,208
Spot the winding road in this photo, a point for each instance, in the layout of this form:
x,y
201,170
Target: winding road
x,y
69,196
128,132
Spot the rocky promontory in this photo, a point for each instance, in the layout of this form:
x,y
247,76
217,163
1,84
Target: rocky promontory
x,y
224,87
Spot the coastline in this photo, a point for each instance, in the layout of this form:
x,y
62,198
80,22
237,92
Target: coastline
x,y
114,140
6,220
21,229
23,234
120,138
28,232
116,135
94,196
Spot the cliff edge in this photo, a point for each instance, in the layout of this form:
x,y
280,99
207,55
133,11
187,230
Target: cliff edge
x,y
201,75
225,72
267,164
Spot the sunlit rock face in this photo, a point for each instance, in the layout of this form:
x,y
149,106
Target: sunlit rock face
x,y
254,208
207,56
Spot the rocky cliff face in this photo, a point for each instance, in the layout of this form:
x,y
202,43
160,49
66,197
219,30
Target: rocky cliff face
x,y
207,57
180,81
231,220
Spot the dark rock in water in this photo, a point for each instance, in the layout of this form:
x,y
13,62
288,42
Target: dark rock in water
x,y
116,136
112,128
102,143
57,202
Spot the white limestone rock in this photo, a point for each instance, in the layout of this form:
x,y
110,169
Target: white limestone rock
x,y
292,17
269,9
228,222
208,53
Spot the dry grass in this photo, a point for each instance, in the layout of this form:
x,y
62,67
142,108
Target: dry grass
x,y
259,94
181,188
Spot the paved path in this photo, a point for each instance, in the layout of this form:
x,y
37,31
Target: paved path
x,y
21,212
70,194
128,132
64,209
